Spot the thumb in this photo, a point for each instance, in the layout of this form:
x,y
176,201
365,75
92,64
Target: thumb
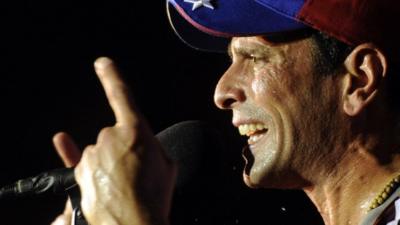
x,y
67,149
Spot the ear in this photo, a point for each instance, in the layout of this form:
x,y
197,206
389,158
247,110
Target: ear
x,y
366,66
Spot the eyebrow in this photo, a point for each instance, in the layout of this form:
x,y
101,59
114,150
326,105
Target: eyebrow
x,y
250,49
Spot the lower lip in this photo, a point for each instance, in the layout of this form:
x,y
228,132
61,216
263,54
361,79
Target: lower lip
x,y
255,138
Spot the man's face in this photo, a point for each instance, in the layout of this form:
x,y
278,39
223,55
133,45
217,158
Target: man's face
x,y
282,106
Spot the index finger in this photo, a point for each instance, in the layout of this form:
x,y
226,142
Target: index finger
x,y
117,92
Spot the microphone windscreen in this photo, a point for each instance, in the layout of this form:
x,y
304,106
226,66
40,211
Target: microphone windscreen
x,y
200,195
196,147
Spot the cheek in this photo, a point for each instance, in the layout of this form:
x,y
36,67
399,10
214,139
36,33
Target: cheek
x,y
265,81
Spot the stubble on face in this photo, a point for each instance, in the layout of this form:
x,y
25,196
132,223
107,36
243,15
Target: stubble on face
x,y
283,91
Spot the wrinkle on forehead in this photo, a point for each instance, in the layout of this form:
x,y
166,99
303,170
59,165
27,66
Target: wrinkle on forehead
x,y
257,44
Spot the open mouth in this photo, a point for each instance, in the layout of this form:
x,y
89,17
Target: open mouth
x,y
254,131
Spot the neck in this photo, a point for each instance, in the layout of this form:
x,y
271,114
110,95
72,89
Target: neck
x,y
357,167
343,197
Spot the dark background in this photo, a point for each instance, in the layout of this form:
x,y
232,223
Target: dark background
x,y
48,85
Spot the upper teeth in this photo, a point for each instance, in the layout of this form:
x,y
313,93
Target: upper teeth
x,y
250,129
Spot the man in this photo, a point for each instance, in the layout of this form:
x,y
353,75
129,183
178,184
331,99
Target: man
x,y
312,85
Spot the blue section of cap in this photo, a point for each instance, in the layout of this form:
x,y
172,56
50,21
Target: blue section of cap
x,y
244,17
288,9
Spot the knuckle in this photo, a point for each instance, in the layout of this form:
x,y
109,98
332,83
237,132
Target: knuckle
x,y
120,134
130,136
105,134
126,136
89,150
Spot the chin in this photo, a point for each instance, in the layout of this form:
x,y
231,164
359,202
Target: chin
x,y
254,178
271,177
258,169
248,182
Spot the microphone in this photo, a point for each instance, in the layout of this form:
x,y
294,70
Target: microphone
x,y
186,143
58,180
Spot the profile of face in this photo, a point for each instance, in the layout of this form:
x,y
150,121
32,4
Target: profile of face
x,y
284,107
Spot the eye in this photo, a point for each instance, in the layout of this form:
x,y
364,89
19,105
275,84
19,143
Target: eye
x,y
255,58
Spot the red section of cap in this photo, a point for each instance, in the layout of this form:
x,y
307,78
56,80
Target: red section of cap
x,y
354,21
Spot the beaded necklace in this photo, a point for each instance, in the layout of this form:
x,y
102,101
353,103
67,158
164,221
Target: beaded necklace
x,y
385,193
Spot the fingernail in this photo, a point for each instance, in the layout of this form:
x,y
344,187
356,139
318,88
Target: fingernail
x,y
102,63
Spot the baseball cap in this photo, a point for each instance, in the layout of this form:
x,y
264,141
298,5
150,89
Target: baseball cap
x,y
208,24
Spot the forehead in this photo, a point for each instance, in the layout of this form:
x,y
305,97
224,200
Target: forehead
x,y
272,41
265,46
249,42
250,46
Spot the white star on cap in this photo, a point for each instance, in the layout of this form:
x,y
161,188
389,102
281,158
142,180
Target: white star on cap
x,y
199,3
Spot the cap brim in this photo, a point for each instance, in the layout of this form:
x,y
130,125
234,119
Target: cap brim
x,y
210,30
192,36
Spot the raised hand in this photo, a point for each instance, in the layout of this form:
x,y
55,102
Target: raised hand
x,y
125,178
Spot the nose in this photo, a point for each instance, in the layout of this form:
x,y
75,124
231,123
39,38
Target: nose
x,y
229,90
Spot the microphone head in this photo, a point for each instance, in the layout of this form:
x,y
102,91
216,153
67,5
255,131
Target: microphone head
x,y
196,147
200,193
